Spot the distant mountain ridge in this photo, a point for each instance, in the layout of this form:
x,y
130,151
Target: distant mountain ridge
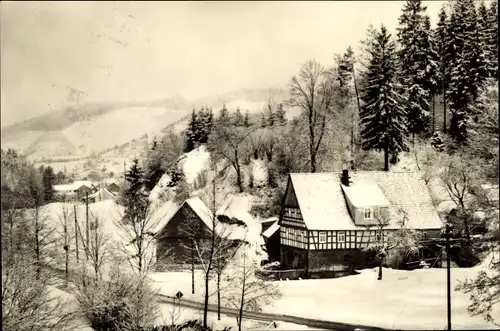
x,y
92,128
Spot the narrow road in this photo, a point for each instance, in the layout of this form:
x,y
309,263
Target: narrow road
x,y
313,323
266,317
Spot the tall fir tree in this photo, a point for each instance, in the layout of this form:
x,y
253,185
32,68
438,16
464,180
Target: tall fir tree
x,y
492,37
263,120
135,197
191,133
468,67
48,181
383,118
280,115
238,117
223,115
271,116
414,40
431,73
246,119
440,41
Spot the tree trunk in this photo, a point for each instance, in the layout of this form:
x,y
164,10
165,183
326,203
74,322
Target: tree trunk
x,y
238,171
66,252
240,314
205,304
76,236
87,234
37,243
433,113
192,267
386,158
444,110
380,269
313,160
218,295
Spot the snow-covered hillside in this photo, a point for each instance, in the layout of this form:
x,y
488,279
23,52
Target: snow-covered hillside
x,y
120,126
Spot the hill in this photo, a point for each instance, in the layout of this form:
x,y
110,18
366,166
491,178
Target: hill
x,y
81,131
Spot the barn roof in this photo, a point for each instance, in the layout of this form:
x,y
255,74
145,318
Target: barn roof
x,y
323,205
168,210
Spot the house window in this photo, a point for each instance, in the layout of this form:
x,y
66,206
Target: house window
x,y
378,235
340,237
368,213
299,214
293,213
322,237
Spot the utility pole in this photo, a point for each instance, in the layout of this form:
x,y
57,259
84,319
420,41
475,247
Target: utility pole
x,y
448,275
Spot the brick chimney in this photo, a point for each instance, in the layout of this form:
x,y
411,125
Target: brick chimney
x,y
345,179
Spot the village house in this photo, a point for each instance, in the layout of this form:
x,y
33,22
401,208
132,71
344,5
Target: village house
x,y
73,192
102,194
328,218
183,231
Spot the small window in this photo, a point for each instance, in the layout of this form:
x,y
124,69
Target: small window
x,y
293,213
299,214
322,237
368,213
378,235
340,237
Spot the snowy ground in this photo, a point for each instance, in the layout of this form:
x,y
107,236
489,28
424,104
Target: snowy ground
x,y
402,299
175,314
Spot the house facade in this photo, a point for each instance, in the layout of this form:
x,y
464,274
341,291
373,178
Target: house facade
x,y
328,219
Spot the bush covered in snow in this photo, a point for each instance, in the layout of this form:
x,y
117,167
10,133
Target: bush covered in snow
x,y
125,302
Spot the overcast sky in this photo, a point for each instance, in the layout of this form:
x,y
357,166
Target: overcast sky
x,y
122,51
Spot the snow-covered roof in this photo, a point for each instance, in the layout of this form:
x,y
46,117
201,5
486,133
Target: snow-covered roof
x,y
365,195
101,191
79,183
271,230
168,210
323,206
64,187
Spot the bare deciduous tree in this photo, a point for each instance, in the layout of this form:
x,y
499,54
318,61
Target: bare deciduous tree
x,y
460,177
312,91
250,291
227,142
27,303
402,238
427,160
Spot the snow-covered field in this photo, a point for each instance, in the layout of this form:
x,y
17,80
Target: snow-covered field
x,y
402,299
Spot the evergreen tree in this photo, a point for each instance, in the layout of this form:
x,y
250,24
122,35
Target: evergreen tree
x,y
437,141
430,68
271,117
416,64
440,41
468,67
238,117
492,38
280,115
223,115
246,120
263,120
48,181
383,125
191,133
135,199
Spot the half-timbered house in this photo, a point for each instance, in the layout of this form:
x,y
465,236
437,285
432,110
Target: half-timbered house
x,y
328,218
